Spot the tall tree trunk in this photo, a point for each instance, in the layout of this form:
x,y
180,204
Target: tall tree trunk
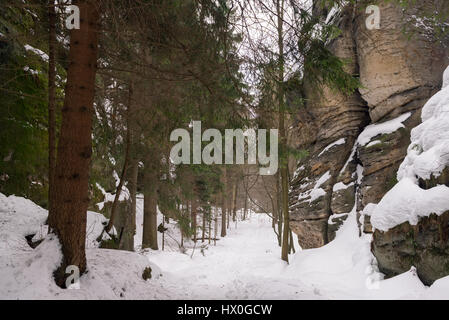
x,y
71,198
283,137
182,238
194,220
210,224
125,166
279,209
51,103
228,214
275,203
234,201
215,227
223,219
223,205
127,240
163,233
229,208
149,237
292,244
203,226
285,208
245,210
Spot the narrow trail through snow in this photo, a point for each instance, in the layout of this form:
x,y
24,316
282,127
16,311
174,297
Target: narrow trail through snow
x,y
244,265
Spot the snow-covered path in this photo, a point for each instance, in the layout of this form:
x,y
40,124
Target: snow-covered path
x,y
247,265
244,265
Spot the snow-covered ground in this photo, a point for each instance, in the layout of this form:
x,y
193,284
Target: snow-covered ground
x,y
244,265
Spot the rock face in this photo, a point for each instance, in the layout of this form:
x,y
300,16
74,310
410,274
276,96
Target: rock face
x,y
412,219
424,246
360,140
339,120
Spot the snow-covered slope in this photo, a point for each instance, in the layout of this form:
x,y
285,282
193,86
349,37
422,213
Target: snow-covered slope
x,y
26,273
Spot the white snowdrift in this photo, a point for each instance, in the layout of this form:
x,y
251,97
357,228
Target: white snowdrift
x,y
428,153
406,202
26,273
346,269
19,218
427,156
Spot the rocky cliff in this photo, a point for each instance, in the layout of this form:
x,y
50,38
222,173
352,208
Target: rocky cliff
x,y
412,220
358,142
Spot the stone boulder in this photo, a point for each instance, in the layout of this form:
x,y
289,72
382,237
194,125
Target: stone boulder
x,y
424,246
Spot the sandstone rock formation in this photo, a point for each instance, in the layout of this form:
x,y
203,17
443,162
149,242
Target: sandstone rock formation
x,y
424,246
412,220
360,140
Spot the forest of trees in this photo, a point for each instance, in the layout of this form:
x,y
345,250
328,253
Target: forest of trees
x,y
95,105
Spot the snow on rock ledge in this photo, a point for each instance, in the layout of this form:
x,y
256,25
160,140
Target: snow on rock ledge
x,y
406,202
427,157
386,127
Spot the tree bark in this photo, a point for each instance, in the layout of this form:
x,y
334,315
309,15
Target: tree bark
x,y
210,224
229,216
245,210
229,210
125,166
215,227
51,103
203,226
223,205
223,219
283,137
163,233
127,240
279,209
182,239
194,222
149,237
292,244
234,201
68,217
